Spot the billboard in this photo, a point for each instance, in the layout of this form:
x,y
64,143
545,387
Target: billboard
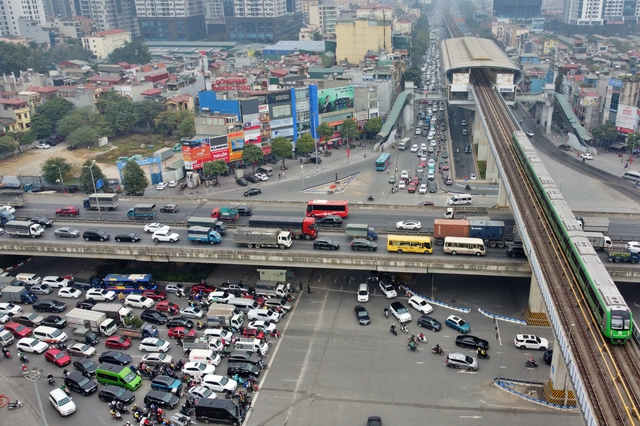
x,y
335,99
626,119
196,153
504,82
236,144
220,152
252,128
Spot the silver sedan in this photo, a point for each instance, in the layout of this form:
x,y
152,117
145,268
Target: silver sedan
x,y
414,225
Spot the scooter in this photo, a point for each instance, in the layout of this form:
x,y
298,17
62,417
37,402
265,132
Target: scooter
x,y
482,354
50,379
22,357
393,329
531,363
12,405
386,312
404,328
437,351
422,338
6,353
412,346
370,198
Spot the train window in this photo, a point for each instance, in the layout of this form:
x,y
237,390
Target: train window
x,y
616,322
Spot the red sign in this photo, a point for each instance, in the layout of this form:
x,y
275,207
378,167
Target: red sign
x,y
335,123
623,130
224,84
266,149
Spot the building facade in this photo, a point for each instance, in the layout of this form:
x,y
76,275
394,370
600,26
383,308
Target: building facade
x,y
357,37
109,14
11,10
324,17
101,44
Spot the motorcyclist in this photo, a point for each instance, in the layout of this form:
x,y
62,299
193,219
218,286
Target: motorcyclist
x,y
412,344
413,338
393,328
21,355
23,368
437,348
50,379
481,352
421,336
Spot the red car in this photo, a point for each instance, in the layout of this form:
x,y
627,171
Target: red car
x,y
166,306
258,299
155,294
117,342
205,288
68,211
57,357
253,333
411,188
18,330
181,332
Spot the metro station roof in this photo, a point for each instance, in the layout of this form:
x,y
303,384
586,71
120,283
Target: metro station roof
x,y
464,53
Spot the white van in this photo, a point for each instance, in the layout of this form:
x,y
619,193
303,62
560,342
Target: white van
x,y
634,176
460,199
418,131
404,143
205,356
266,170
29,279
218,332
49,334
253,345
243,304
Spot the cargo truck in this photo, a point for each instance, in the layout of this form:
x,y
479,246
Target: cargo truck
x,y
262,237
84,335
101,201
19,228
6,338
598,240
6,216
300,227
91,320
118,313
10,281
225,213
18,294
620,253
224,316
13,198
250,344
147,330
201,234
142,211
594,224
270,289
357,230
208,222
204,342
490,231
86,279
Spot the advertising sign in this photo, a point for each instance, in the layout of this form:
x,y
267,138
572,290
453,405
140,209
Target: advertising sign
x,y
225,84
283,122
220,152
263,109
504,82
282,132
335,99
626,119
614,82
279,98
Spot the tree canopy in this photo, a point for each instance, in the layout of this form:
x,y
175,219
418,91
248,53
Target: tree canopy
x,y
7,144
54,167
171,121
374,125
85,117
86,184
41,127
305,144
606,132
215,168
251,154
325,132
135,52
83,136
281,147
349,129
134,178
119,112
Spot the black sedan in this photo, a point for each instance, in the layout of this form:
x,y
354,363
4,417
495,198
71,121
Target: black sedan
x,y
54,321
468,341
252,179
179,322
116,393
548,356
81,384
244,210
362,244
169,208
430,323
252,191
115,357
326,244
161,399
154,317
86,304
362,315
85,366
45,222
50,305
128,237
242,182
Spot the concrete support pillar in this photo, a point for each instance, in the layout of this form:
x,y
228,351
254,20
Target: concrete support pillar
x,y
559,389
503,200
536,312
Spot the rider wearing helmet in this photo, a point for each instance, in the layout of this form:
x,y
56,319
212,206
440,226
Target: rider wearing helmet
x,y
393,328
437,348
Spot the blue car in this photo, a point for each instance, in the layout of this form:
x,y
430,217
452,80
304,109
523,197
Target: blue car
x,y
166,383
458,324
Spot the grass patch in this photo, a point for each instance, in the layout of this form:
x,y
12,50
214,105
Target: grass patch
x,y
126,146
482,169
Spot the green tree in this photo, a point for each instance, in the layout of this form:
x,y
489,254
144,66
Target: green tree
x,y
24,138
398,11
15,58
373,126
252,154
41,127
215,168
187,126
317,36
83,136
119,112
349,130
605,132
147,111
281,147
86,117
167,122
305,144
134,178
7,144
54,167
86,184
63,52
633,141
55,109
135,52
412,74
325,132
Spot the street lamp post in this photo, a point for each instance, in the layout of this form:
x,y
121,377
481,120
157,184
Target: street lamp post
x,y
61,181
95,190
499,338
566,376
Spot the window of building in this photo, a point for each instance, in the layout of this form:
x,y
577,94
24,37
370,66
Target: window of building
x,y
281,111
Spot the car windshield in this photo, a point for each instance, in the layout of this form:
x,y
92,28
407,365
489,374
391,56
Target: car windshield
x,y
461,322
64,401
160,342
59,355
200,366
402,311
224,381
84,381
166,397
130,377
388,287
362,313
119,392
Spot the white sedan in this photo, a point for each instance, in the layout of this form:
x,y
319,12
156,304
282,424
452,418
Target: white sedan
x,y
530,133
267,326
404,174
157,358
261,176
530,341
9,308
586,156
55,281
473,176
100,295
161,186
151,344
81,349
138,301
414,147
165,236
414,225
219,383
423,188
201,392
43,145
198,369
69,293
173,183
387,289
192,312
420,305
155,227
34,346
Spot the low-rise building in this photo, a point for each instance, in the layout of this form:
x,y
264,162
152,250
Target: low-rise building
x,y
103,43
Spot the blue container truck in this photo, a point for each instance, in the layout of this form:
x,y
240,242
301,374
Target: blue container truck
x,y
201,234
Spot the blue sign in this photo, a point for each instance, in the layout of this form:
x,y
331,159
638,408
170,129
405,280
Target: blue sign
x,y
99,184
615,82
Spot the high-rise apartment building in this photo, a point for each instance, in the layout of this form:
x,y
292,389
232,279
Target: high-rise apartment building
x,y
171,20
11,10
264,21
518,10
59,8
323,16
583,12
109,14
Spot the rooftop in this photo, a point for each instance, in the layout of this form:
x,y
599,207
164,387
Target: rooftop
x,y
108,33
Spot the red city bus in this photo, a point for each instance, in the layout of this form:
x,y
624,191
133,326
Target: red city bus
x,y
322,208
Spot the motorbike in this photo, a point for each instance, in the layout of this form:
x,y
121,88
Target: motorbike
x,y
370,198
393,330
50,379
531,363
412,346
437,350
65,373
386,312
60,346
115,414
422,338
23,357
404,329
482,354
65,389
262,365
6,354
413,339
467,187
12,405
